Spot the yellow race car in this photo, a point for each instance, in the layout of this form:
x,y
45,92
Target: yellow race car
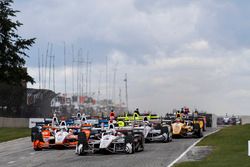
x,y
186,128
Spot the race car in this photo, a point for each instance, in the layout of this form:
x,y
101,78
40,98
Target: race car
x,y
111,140
50,136
186,128
121,121
159,133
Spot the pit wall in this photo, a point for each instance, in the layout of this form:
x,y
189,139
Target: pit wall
x,y
14,122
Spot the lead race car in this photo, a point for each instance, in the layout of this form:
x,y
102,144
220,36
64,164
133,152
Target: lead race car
x,y
111,140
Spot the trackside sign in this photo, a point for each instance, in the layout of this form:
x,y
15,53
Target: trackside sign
x,y
32,121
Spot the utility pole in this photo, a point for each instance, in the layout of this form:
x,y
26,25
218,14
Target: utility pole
x,y
126,89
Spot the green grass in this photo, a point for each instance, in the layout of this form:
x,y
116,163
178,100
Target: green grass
x,y
7,134
230,148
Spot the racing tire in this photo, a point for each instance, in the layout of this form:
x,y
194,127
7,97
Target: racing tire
x,y
129,139
198,131
34,131
170,138
164,129
204,126
142,142
37,148
82,143
38,138
140,146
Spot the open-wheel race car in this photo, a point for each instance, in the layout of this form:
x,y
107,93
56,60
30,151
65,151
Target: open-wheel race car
x,y
54,135
111,140
186,128
159,133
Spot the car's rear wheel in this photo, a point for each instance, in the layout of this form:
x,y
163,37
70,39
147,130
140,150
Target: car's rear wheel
x,y
130,146
34,131
82,144
198,131
38,139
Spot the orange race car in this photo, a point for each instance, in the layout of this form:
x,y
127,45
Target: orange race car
x,y
49,136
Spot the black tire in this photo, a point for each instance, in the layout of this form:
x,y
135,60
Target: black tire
x,y
39,137
82,139
164,129
38,149
204,126
197,130
133,148
170,138
34,131
130,139
141,141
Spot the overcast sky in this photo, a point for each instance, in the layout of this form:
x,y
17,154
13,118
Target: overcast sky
x,y
175,53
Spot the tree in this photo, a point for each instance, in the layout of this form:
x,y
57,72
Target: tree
x,y
13,74
12,47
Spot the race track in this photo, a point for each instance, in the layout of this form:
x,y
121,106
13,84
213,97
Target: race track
x,y
20,153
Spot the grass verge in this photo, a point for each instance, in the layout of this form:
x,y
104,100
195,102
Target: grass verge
x,y
230,148
7,134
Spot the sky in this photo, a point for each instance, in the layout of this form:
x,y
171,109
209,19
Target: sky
x,y
176,53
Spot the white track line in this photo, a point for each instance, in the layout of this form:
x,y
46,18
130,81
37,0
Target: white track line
x,y
190,147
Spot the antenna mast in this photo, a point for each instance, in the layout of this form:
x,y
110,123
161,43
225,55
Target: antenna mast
x,y
126,89
54,73
106,81
64,51
50,57
114,84
73,91
87,66
47,53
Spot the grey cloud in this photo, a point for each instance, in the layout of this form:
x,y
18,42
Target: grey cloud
x,y
175,52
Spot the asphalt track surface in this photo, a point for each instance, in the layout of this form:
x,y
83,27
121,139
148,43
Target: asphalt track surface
x,y
20,153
